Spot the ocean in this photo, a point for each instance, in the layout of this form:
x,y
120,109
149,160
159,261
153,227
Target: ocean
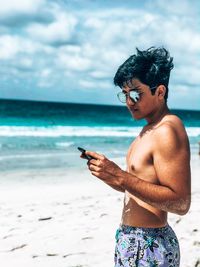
x,y
39,135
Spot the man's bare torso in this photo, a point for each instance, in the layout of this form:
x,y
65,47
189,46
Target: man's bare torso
x,y
140,163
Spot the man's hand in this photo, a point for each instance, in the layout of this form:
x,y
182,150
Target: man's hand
x,y
106,170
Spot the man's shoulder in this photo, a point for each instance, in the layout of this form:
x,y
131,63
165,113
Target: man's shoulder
x,y
170,132
170,124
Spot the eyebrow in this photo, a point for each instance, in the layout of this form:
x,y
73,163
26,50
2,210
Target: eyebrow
x,y
132,89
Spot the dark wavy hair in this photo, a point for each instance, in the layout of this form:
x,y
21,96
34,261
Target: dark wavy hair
x,y
152,67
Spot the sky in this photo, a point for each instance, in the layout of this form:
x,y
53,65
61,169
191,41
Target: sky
x,y
69,51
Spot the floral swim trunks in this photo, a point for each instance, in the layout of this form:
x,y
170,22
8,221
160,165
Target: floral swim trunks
x,y
146,247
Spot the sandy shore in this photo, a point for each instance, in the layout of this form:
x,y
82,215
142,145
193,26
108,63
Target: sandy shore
x,y
45,221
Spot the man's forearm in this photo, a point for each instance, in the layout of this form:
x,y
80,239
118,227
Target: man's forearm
x,y
159,196
118,188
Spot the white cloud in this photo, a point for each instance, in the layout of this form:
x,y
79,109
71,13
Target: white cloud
x,y
10,7
60,30
94,84
10,46
46,73
73,59
74,62
188,75
86,84
26,63
176,6
184,97
99,74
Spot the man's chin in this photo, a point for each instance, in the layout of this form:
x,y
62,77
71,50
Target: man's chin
x,y
136,116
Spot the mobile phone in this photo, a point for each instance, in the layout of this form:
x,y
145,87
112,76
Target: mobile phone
x,y
82,150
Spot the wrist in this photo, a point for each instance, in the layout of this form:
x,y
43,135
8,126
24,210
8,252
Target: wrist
x,y
122,178
127,180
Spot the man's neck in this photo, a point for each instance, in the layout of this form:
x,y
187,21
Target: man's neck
x,y
158,115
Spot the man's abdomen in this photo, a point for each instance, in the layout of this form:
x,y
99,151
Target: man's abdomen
x,y
140,214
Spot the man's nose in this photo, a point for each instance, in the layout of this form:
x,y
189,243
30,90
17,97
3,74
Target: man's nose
x,y
129,101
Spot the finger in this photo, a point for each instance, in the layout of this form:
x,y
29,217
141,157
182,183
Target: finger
x,y
93,168
96,162
94,173
91,161
94,155
83,156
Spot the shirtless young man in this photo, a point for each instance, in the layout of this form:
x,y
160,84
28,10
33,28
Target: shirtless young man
x,y
157,179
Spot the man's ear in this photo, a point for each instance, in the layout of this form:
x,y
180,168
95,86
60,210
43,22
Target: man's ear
x,y
161,91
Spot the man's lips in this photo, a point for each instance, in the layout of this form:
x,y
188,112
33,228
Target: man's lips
x,y
134,109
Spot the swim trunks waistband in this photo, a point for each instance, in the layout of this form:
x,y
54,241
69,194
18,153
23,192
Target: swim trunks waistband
x,y
129,229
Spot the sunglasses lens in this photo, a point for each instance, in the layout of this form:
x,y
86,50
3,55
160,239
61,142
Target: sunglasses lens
x,y
122,97
135,96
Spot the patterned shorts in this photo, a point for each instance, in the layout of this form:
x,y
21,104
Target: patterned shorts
x,y
146,247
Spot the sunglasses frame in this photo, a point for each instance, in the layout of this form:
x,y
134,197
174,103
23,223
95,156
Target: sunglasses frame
x,y
135,98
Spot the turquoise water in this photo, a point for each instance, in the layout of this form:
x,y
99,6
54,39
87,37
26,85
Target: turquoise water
x,y
46,135
27,113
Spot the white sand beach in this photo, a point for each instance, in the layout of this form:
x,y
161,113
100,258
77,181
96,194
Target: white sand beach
x,y
47,221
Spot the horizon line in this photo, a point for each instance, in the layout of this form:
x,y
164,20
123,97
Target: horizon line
x,y
78,103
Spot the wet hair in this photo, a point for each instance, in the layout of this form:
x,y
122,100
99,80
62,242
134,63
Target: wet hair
x,y
152,67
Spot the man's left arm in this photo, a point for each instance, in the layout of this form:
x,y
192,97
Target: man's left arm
x,y
171,160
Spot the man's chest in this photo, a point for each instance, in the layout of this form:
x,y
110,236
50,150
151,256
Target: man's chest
x,y
140,159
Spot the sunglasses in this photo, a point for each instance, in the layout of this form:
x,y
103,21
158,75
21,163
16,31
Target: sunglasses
x,y
133,95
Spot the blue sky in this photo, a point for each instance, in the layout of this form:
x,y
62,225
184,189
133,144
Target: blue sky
x,y
69,51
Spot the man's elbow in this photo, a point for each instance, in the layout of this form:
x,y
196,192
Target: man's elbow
x,y
182,211
184,206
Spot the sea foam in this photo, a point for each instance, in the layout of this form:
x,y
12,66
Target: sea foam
x,y
57,131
